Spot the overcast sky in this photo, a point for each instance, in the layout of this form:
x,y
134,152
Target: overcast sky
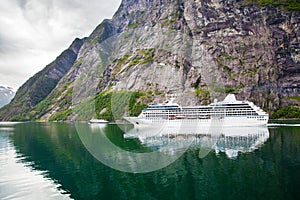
x,y
34,32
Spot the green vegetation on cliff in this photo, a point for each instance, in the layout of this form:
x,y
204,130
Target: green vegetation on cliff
x,y
112,106
292,5
141,56
290,112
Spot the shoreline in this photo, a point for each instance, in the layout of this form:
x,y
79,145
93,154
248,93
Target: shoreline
x,y
284,119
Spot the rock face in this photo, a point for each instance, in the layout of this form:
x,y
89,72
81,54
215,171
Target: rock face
x,y
6,95
40,85
196,49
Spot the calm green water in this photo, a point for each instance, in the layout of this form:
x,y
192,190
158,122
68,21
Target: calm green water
x,y
49,161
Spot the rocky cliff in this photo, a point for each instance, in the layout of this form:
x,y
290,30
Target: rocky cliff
x,y
196,49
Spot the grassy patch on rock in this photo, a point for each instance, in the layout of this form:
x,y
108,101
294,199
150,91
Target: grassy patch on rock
x,y
292,5
290,112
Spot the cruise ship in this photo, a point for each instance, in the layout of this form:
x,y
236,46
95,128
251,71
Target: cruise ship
x,y
229,112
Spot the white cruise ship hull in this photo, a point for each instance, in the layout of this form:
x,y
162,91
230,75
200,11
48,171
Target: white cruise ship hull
x,y
222,122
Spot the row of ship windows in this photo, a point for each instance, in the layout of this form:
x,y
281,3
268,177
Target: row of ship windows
x,y
215,110
206,110
231,107
261,118
204,113
201,110
245,114
161,117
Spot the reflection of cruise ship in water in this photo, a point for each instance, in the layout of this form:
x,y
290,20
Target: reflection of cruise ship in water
x,y
228,140
230,112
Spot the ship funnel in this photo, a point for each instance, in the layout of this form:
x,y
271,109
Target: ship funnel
x,y
230,98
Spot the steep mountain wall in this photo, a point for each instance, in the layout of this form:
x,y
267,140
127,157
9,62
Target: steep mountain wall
x,y
196,49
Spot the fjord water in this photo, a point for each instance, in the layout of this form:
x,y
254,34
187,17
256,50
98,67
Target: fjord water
x,y
49,161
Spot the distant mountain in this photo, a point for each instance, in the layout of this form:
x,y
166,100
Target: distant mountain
x,y
187,47
6,95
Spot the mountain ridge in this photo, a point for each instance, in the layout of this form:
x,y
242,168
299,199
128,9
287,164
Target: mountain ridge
x,y
40,85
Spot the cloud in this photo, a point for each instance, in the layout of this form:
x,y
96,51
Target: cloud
x,y
34,32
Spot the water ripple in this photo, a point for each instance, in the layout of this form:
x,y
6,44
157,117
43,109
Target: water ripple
x,y
19,181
